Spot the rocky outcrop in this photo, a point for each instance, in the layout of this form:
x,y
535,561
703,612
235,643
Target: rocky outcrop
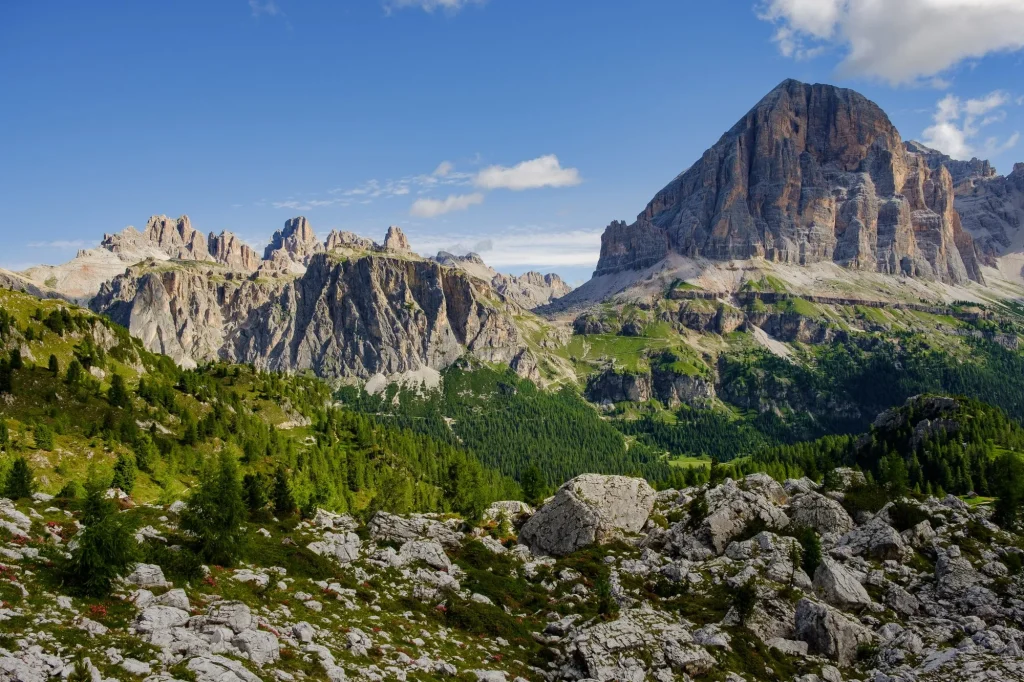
x,y
830,632
615,387
176,238
395,240
659,383
371,315
347,241
231,251
730,509
294,246
823,514
589,508
992,211
812,173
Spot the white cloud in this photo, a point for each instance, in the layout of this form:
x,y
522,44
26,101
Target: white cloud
x,y
451,6
958,123
898,41
443,169
59,244
544,171
261,7
525,247
431,208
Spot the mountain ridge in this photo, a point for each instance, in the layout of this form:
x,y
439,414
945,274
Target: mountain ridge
x,y
811,173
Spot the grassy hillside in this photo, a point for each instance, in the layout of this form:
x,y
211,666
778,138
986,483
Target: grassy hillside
x,y
106,404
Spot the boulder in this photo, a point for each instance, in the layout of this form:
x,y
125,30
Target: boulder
x,y
219,669
385,527
232,614
513,510
156,618
147,575
838,586
431,553
821,513
344,547
954,573
261,647
589,508
875,539
730,509
767,487
830,632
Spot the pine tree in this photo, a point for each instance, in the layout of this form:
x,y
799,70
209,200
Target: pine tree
x,y
16,361
124,473
146,453
215,512
106,548
532,483
118,395
5,434
74,373
284,499
54,365
256,499
20,481
43,435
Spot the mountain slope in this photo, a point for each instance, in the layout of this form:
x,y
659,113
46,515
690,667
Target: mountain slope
x,y
812,173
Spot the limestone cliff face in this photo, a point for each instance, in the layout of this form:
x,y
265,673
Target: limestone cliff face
x,y
176,238
231,251
294,246
992,210
354,318
812,173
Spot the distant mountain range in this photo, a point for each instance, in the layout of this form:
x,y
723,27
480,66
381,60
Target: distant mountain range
x,y
814,186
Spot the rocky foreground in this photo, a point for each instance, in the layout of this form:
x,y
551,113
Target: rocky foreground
x,y
608,580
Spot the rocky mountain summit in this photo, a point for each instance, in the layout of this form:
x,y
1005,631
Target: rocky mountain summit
x,y
812,173
378,313
608,580
529,290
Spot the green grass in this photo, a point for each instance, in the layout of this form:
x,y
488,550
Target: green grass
x,y
690,462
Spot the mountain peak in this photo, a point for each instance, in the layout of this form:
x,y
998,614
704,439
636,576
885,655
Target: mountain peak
x,y
811,173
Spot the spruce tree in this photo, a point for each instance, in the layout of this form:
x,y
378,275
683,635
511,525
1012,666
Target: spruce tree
x,y
16,361
124,473
43,435
284,499
74,373
54,365
5,434
20,481
105,550
118,395
215,512
532,484
255,490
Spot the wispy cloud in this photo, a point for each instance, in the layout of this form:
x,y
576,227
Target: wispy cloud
x,y
450,6
902,42
431,208
534,246
59,244
544,171
958,123
264,8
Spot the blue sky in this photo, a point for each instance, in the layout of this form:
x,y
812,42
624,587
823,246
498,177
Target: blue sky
x,y
518,128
